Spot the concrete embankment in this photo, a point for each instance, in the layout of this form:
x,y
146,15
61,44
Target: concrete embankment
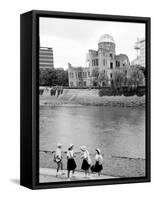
x,y
112,166
48,175
91,97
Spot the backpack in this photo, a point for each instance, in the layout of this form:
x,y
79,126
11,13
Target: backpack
x,y
56,158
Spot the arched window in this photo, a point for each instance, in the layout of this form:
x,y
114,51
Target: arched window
x,y
97,62
111,65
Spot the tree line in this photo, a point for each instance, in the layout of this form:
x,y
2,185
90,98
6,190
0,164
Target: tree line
x,y
59,77
53,77
134,77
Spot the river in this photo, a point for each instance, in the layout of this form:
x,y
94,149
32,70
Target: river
x,y
117,131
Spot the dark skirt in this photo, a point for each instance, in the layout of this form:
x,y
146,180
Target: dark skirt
x,y
97,167
85,165
71,165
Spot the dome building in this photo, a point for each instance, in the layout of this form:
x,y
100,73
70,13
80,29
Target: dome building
x,y
106,54
107,43
106,38
104,60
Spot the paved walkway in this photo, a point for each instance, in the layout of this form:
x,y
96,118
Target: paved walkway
x,y
49,175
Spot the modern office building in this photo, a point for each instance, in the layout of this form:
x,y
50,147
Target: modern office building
x,y
46,57
140,51
104,60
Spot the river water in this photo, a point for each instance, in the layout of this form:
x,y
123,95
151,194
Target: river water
x,y
117,131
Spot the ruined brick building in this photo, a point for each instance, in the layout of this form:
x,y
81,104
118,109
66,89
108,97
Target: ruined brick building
x,y
104,60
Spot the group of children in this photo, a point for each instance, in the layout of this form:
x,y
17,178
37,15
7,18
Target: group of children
x,y
86,161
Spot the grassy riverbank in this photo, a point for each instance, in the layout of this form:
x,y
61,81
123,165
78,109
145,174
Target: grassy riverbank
x,y
91,97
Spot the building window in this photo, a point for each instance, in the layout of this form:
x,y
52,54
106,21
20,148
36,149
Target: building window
x,y
89,74
71,84
79,74
84,74
71,75
111,75
93,63
97,62
84,83
111,65
104,62
111,55
117,63
79,83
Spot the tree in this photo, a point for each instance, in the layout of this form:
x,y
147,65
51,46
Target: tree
x,y
136,77
139,67
103,79
119,79
52,77
62,77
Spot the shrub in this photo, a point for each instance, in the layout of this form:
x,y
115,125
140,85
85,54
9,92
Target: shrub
x,y
126,91
52,92
41,91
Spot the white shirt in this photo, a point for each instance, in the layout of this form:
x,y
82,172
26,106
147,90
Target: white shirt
x,y
58,153
70,154
99,158
86,155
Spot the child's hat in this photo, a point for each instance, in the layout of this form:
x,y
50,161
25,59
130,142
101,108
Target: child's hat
x,y
83,148
59,145
71,145
98,150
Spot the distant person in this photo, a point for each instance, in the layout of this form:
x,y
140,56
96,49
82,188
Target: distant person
x,y
98,166
58,92
71,165
86,163
59,159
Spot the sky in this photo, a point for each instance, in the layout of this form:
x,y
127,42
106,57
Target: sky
x,y
71,39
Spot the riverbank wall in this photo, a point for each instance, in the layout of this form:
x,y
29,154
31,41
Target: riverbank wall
x,y
91,97
112,166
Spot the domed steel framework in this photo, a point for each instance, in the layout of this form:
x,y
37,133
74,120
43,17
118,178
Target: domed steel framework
x,y
106,38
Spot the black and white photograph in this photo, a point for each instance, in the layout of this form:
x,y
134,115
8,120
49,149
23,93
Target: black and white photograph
x,y
92,100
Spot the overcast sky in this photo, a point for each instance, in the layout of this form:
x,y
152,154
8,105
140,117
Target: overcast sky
x,y
71,39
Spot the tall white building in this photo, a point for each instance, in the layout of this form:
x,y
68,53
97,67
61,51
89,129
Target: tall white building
x,y
46,57
142,52
140,49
